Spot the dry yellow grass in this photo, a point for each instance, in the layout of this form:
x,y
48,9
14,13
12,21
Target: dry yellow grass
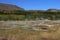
x,y
24,34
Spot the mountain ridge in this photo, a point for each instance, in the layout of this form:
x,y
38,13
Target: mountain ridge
x,y
4,6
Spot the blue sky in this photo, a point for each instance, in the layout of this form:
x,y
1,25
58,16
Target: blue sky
x,y
34,4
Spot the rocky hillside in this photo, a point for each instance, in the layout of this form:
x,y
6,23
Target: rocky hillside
x,y
53,10
9,7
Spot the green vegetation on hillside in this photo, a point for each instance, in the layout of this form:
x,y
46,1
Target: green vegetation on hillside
x,y
16,15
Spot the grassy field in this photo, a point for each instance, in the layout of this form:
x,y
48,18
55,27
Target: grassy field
x,y
26,34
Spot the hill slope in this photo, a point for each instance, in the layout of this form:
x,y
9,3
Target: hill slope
x,y
9,7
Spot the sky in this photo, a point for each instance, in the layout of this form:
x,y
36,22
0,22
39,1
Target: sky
x,y
34,4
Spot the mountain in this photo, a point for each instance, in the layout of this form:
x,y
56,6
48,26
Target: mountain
x,y
9,7
53,10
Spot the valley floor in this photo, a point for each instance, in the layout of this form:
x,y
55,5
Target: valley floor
x,y
30,30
